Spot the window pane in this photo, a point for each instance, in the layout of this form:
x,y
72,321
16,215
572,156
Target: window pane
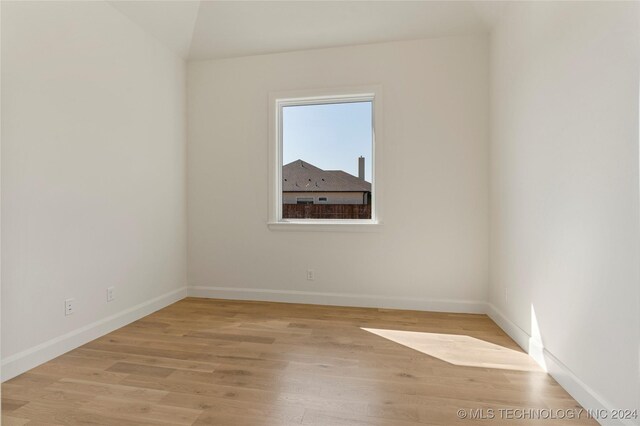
x,y
327,168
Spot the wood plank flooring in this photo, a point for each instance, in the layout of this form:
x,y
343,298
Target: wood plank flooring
x,y
215,362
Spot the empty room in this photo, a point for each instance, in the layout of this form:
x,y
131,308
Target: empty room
x,y
336,213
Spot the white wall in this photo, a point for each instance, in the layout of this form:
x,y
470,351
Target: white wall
x,y
93,175
433,244
564,190
93,190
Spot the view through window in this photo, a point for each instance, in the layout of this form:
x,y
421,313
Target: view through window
x,y
327,152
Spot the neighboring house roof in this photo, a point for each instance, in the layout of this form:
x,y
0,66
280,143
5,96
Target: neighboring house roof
x,y
300,176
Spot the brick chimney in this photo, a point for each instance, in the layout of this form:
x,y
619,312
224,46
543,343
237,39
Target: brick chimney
x,y
361,167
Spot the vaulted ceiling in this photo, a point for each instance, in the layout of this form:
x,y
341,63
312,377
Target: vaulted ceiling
x,y
198,30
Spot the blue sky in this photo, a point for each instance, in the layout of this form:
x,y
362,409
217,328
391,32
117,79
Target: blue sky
x,y
330,136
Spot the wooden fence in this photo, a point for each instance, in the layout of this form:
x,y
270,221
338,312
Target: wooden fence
x,y
326,211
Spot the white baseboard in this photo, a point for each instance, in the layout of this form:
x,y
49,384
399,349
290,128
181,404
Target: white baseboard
x,y
32,357
339,299
520,336
580,391
23,361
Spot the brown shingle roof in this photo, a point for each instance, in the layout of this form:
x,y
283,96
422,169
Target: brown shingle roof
x,y
299,176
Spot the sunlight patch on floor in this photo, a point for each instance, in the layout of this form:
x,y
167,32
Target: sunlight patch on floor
x,y
460,349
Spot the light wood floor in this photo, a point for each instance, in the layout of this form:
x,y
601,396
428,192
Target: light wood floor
x,y
203,361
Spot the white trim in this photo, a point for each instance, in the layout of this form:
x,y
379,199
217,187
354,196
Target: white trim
x,y
329,226
520,336
23,361
339,299
580,391
32,357
322,96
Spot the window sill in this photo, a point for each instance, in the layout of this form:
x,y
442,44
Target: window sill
x,y
326,225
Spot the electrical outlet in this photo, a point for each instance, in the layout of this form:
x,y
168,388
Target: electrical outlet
x,y
69,306
311,276
111,294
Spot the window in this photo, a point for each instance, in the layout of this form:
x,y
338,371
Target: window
x,y
324,155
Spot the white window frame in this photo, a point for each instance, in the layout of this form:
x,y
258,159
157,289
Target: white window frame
x,y
279,100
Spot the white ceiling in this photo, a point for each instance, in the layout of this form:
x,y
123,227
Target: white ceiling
x,y
221,29
171,22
